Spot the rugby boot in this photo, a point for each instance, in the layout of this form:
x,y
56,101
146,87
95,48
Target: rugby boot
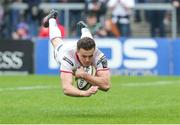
x,y
52,14
82,24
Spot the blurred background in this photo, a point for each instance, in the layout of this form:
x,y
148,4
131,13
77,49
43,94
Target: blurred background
x,y
139,37
142,18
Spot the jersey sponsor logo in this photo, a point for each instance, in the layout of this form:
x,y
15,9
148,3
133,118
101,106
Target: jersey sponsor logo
x,y
103,61
68,60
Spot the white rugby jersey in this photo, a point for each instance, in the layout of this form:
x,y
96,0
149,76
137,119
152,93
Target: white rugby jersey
x,y
66,56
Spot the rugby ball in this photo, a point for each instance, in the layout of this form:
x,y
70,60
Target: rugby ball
x,y
83,84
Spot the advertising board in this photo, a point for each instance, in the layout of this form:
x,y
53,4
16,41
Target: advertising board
x,y
16,57
125,56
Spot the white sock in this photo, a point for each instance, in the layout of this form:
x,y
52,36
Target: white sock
x,y
53,29
86,33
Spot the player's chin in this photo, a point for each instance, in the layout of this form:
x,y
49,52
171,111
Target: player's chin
x,y
86,65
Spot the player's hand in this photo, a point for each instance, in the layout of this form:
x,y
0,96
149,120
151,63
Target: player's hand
x,y
80,72
92,90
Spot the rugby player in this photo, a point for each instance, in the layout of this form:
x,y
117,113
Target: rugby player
x,y
72,58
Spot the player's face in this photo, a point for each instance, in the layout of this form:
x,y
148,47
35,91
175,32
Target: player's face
x,y
86,56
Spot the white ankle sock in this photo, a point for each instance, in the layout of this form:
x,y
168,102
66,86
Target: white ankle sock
x,y
86,33
53,29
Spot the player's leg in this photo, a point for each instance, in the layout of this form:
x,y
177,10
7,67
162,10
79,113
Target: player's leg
x,y
54,32
85,32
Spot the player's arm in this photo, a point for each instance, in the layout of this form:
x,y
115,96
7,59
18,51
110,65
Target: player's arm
x,y
70,90
101,79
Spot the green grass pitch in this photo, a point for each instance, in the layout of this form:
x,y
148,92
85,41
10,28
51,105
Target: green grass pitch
x,y
39,99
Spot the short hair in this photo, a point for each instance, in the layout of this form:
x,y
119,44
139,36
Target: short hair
x,y
86,43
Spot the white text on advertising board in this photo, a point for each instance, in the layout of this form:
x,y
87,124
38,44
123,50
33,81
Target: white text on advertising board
x,y
9,59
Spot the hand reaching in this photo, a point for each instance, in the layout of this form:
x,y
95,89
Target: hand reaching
x,y
90,91
79,72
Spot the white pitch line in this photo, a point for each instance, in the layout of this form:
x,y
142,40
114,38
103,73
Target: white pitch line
x,y
156,83
28,88
130,84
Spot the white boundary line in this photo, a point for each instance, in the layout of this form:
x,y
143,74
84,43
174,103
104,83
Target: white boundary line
x,y
156,83
130,84
29,88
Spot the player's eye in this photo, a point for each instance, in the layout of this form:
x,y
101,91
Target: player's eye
x,y
84,56
90,56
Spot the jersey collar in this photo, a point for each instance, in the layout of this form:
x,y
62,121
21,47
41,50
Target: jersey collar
x,y
77,57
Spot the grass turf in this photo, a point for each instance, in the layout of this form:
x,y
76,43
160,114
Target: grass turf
x,y
39,99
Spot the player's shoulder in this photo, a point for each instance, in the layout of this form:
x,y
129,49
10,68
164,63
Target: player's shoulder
x,y
100,60
67,60
98,53
69,57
